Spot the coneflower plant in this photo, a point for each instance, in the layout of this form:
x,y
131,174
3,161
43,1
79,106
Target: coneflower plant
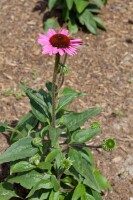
x,y
50,156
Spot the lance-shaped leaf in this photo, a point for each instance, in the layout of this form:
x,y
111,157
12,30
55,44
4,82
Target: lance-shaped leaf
x,y
54,135
51,4
99,23
38,104
84,169
89,197
21,149
6,191
54,195
55,183
52,155
44,183
86,18
79,192
69,4
25,124
74,120
26,179
21,166
85,135
67,96
102,181
50,23
82,5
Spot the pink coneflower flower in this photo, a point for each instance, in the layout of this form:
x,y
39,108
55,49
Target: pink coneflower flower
x,y
60,42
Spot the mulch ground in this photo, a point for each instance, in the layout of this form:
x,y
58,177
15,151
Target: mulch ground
x,y
103,68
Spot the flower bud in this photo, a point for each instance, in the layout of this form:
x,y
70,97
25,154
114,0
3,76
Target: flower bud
x,y
108,144
95,124
35,159
37,142
66,163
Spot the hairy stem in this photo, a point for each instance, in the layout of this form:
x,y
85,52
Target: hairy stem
x,y
57,59
61,76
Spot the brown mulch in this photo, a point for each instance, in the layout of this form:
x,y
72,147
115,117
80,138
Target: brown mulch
x,y
103,68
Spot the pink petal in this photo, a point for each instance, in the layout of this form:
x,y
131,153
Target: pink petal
x,y
43,39
61,52
64,32
50,32
55,50
71,51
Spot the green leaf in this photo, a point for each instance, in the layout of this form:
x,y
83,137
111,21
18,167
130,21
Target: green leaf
x,y
87,19
25,125
85,135
38,104
65,13
52,155
67,179
99,23
96,195
40,195
50,23
55,183
87,172
54,195
44,195
87,155
74,120
51,4
73,172
38,111
49,86
99,2
20,149
44,183
3,127
76,157
102,181
69,4
72,26
54,135
27,179
79,192
58,160
44,165
6,191
89,197
21,166
83,168
67,96
93,8
82,5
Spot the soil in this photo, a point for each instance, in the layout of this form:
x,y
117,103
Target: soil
x,y
103,68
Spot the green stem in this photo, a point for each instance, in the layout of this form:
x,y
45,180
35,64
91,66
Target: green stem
x,y
61,76
14,130
57,60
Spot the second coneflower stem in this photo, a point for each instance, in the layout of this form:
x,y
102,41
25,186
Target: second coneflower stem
x,y
57,60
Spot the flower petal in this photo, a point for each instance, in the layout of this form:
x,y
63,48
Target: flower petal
x,y
64,32
61,52
50,32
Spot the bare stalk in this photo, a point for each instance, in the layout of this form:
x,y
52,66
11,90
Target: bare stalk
x,y
57,60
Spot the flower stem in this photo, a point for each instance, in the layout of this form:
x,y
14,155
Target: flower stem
x,y
61,76
57,60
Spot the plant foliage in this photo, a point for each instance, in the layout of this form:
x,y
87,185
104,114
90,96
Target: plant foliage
x,y
43,166
77,12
